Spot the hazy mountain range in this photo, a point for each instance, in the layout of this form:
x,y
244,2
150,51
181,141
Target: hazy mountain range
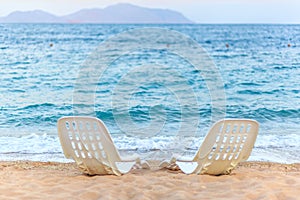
x,y
119,13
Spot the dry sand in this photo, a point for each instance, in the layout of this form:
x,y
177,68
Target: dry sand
x,y
250,180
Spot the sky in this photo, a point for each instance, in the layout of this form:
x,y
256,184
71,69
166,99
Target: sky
x,y
200,11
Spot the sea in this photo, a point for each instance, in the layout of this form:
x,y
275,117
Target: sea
x,y
154,102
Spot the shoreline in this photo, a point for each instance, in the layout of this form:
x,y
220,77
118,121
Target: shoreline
x,y
46,180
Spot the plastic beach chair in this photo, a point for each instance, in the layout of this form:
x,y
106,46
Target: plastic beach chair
x,y
88,142
228,142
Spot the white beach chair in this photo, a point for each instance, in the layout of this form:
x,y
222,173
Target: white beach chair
x,y
88,142
228,142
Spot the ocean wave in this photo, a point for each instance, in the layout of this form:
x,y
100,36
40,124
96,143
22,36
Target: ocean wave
x,y
46,147
263,114
49,113
34,106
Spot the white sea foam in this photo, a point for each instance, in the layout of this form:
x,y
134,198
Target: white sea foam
x,y
283,148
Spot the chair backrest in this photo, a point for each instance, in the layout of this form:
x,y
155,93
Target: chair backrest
x,y
87,141
228,142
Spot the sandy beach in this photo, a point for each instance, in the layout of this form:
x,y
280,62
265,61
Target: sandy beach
x,y
47,180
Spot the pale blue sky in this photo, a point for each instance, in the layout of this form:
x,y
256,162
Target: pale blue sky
x,y
201,11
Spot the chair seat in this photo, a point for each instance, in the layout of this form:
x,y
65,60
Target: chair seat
x,y
88,142
228,142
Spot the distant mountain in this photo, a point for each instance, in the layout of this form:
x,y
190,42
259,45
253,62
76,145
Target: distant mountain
x,y
126,13
120,13
36,16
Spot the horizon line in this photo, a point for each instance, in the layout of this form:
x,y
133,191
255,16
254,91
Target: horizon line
x,y
171,23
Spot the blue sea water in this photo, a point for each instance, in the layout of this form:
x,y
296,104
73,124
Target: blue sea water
x,y
40,63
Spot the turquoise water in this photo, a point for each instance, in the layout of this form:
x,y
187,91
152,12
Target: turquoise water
x,y
40,63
